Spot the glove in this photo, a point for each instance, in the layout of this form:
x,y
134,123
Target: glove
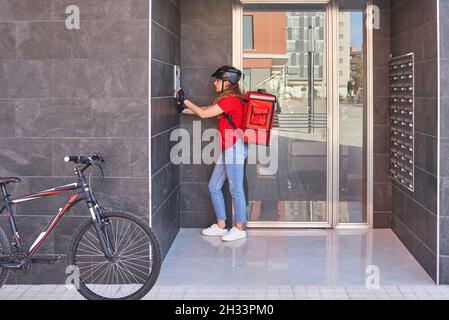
x,y
181,98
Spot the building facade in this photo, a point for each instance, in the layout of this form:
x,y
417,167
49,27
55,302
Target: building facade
x,y
108,88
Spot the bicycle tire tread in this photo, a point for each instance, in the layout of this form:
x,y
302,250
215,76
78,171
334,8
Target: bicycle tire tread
x,y
6,248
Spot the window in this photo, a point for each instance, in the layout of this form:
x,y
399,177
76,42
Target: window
x,y
293,22
291,45
353,126
247,79
293,61
248,33
297,34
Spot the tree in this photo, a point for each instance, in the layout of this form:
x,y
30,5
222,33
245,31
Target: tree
x,y
358,76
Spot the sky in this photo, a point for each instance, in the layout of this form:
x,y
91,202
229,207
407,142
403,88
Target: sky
x,y
356,29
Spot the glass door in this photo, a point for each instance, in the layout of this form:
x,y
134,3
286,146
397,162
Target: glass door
x,y
285,54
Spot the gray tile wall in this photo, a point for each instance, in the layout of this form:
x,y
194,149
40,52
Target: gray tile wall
x,y
165,182
414,218
206,43
382,185
83,91
444,142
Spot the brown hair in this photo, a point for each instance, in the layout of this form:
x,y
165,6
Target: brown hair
x,y
233,91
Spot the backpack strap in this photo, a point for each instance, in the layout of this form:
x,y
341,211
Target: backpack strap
x,y
228,117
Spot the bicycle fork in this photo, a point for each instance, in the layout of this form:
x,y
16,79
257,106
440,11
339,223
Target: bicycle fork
x,y
105,239
99,222
100,225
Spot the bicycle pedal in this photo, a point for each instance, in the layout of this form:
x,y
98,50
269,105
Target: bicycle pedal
x,y
48,260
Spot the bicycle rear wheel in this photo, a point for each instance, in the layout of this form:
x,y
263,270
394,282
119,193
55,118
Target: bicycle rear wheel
x,y
135,265
5,250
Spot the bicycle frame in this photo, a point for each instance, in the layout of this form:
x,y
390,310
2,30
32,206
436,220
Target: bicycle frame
x,y
84,194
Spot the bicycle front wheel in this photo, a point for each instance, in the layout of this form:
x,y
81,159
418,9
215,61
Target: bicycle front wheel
x,y
134,267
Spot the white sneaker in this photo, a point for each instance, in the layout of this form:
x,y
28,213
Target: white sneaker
x,y
234,234
214,231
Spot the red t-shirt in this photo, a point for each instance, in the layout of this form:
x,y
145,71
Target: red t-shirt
x,y
234,108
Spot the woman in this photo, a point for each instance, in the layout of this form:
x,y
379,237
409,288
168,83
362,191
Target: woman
x,y
230,164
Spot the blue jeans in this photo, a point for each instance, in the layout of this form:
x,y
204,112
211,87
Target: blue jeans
x,y
230,165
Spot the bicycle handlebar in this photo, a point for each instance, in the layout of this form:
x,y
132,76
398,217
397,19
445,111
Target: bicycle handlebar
x,y
83,159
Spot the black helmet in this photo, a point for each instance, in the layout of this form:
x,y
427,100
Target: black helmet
x,y
227,73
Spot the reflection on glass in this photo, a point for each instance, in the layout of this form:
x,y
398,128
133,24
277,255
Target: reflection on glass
x,y
352,84
288,60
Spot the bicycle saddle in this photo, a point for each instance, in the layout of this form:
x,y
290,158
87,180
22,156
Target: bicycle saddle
x,y
6,180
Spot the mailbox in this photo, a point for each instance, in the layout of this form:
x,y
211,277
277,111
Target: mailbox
x,y
402,120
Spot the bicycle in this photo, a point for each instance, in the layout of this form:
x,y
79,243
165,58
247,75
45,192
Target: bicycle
x,y
114,255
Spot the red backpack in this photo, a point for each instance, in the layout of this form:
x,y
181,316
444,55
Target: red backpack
x,y
258,118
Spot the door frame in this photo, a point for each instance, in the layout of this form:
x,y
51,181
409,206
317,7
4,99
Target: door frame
x,y
333,146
